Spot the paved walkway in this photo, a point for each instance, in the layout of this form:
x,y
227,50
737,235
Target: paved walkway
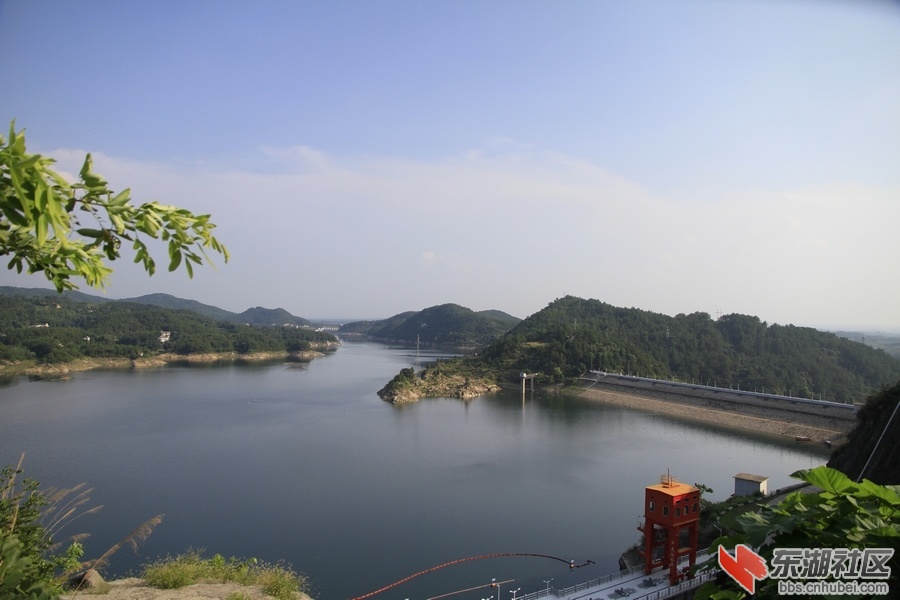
x,y
630,585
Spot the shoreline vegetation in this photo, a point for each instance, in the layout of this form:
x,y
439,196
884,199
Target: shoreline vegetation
x,y
50,370
190,576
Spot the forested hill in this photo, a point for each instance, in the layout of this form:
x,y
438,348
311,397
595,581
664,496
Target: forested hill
x,y
874,445
573,335
252,316
52,329
443,325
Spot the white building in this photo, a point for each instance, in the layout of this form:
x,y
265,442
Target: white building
x,y
747,484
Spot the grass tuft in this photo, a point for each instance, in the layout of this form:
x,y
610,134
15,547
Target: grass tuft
x,y
278,580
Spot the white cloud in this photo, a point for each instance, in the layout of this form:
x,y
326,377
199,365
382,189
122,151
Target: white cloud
x,y
520,227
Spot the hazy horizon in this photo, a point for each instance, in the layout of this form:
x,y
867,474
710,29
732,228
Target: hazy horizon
x,y
372,158
343,319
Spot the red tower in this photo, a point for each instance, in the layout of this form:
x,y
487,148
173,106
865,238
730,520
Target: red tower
x,y
671,519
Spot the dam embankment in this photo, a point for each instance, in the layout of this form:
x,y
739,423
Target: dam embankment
x,y
794,417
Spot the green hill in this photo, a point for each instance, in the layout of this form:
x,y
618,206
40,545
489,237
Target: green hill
x,y
175,303
366,327
269,317
443,325
874,445
500,317
572,335
55,329
75,295
252,316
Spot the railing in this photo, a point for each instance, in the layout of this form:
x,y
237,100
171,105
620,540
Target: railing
x,y
826,403
681,587
657,595
599,581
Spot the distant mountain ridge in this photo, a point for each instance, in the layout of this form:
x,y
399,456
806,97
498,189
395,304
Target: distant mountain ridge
x,y
252,316
442,325
8,290
270,316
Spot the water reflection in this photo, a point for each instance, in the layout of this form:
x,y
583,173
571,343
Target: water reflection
x,y
303,462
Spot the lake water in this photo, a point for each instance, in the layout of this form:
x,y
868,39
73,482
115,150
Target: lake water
x,y
304,463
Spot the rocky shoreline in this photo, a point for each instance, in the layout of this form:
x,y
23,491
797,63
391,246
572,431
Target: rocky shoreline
x,y
436,386
160,360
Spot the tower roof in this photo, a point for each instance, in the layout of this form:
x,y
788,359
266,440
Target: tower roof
x,y
669,485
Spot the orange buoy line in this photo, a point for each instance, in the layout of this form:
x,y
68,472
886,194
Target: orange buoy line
x,y
571,564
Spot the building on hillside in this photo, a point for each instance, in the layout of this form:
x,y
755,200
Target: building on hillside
x,y
747,484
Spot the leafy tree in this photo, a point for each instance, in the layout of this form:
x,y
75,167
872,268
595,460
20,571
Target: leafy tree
x,y
71,230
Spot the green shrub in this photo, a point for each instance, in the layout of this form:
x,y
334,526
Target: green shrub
x,y
21,576
30,563
278,581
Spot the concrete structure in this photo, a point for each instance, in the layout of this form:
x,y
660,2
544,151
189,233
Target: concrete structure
x,y
747,484
670,527
632,584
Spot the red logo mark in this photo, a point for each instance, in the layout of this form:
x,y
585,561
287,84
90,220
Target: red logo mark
x,y
746,567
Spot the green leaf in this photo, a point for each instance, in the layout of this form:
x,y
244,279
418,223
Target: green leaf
x,y
40,228
117,223
830,480
91,233
122,198
14,214
29,162
91,180
886,493
176,260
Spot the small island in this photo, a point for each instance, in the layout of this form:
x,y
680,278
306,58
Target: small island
x,y
443,380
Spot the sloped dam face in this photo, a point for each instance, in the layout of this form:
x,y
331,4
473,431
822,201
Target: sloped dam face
x,y
799,418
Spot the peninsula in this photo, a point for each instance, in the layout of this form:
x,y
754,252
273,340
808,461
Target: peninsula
x,y
49,334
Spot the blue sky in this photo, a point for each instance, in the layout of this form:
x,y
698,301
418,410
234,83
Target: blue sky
x,y
365,158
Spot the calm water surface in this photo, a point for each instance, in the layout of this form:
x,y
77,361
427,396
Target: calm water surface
x,y
304,463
